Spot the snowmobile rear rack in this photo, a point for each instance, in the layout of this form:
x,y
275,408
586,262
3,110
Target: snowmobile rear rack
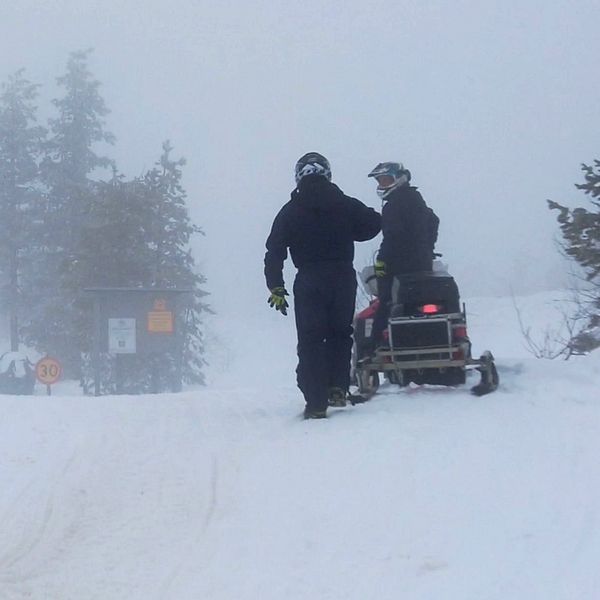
x,y
426,349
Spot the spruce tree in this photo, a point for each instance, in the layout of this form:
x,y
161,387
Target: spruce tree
x,y
20,151
173,264
580,229
139,236
70,162
113,252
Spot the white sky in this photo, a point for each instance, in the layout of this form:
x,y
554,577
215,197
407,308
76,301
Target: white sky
x,y
491,105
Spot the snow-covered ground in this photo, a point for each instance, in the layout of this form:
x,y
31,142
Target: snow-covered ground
x,y
225,493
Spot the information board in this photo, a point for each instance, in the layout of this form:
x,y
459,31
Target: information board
x,y
121,336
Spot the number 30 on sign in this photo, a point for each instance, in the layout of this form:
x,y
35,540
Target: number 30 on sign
x,y
48,370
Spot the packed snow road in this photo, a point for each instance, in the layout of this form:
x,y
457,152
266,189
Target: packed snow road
x,y
422,493
226,493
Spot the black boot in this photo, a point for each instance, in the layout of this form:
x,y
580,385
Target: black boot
x,y
312,413
337,397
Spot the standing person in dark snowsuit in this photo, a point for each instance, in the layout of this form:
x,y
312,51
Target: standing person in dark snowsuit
x,y
319,226
409,230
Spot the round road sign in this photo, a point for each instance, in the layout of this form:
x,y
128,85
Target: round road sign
x,y
48,370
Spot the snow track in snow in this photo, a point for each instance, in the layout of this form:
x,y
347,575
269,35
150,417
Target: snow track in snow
x,y
226,494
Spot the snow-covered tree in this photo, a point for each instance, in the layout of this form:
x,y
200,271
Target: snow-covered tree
x,y
20,151
580,228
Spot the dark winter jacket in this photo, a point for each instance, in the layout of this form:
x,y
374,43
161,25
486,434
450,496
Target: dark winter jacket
x,y
319,225
409,229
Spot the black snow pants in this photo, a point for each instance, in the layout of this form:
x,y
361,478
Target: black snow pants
x,y
324,302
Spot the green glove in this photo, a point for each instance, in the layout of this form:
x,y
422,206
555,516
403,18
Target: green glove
x,y
379,268
277,300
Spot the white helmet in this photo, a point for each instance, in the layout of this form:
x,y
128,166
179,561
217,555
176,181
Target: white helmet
x,y
393,176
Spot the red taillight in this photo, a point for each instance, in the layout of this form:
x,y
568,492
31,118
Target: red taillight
x,y
459,332
430,309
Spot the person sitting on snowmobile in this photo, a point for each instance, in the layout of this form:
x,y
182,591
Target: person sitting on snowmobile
x,y
319,225
409,230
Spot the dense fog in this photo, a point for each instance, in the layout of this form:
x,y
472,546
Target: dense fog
x,y
203,472
491,109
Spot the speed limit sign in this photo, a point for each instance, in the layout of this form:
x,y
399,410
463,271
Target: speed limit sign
x,y
48,370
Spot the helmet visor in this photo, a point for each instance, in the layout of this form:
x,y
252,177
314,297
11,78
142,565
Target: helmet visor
x,y
385,181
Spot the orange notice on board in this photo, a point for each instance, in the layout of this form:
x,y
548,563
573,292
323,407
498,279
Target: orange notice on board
x,y
160,321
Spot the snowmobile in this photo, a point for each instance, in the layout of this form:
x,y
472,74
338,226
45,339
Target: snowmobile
x,y
426,340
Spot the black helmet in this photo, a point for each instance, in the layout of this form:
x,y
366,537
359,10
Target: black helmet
x,y
312,163
396,171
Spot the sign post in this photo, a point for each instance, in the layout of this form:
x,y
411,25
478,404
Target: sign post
x,y
48,371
